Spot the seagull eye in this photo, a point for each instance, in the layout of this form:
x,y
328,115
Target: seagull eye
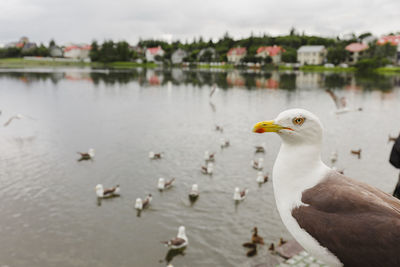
x,y
298,121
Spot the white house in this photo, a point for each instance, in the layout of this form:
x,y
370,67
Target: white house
x,y
77,51
152,52
236,54
356,51
311,54
178,56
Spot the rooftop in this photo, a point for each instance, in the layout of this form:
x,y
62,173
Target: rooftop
x,y
311,48
356,47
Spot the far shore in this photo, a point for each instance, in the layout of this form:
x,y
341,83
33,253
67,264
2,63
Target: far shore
x,y
10,63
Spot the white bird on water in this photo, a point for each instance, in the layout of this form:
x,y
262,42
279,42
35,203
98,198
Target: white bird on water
x,y
108,192
140,205
208,156
261,178
341,221
207,169
180,241
162,184
257,164
194,193
240,195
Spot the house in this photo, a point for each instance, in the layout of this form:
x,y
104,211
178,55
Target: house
x,y
77,51
208,54
393,40
178,56
356,50
275,52
311,54
236,54
56,51
153,52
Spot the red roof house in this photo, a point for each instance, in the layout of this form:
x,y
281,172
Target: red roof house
x,y
274,52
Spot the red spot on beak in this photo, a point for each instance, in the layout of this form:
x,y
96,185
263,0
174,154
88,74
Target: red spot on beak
x,y
260,130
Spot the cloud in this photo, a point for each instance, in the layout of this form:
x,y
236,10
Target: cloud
x,y
85,20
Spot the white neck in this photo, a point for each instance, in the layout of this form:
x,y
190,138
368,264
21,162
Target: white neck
x,y
297,168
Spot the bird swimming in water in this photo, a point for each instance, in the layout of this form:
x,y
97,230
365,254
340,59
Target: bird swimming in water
x,y
208,156
356,152
256,239
86,156
219,128
207,170
194,193
153,155
261,178
260,148
240,195
257,164
108,192
224,143
162,185
140,205
180,241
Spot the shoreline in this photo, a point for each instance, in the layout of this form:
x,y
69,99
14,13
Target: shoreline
x,y
9,63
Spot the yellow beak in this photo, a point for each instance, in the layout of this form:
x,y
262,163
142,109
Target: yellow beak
x,y
268,126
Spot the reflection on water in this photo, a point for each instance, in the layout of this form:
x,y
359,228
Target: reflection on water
x,y
224,79
50,215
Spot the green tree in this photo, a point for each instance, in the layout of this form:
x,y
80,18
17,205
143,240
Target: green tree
x,y
337,54
94,52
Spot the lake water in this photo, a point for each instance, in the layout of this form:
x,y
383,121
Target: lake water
x,y
49,212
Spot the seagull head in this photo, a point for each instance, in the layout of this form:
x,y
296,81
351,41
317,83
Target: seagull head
x,y
161,183
181,232
99,190
294,126
91,152
139,204
195,188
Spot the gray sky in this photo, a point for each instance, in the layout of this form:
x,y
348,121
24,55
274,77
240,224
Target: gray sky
x,y
85,20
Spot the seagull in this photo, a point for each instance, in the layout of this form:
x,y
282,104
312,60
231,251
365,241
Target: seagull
x,y
240,195
164,185
339,220
256,239
86,156
180,241
194,193
261,148
153,155
261,178
219,128
208,156
207,170
356,152
140,205
108,192
15,117
258,165
224,143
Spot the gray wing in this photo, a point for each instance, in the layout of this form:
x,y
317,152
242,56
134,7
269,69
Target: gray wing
x,y
358,223
177,241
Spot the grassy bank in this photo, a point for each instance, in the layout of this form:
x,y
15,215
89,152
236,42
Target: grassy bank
x,y
24,63
319,69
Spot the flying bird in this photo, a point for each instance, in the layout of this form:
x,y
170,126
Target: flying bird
x,y
15,117
339,220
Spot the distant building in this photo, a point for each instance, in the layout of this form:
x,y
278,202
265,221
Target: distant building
x,y
208,54
22,43
311,54
356,50
77,51
275,52
152,52
178,56
394,40
369,39
56,51
236,54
